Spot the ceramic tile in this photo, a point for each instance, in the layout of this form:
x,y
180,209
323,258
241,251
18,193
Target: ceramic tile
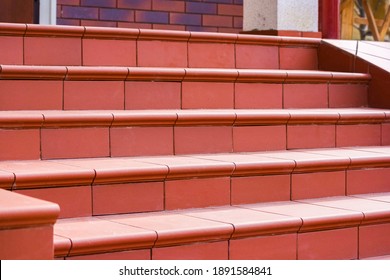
x,y
58,51
175,229
358,135
74,143
175,54
248,222
128,198
316,136
368,180
206,95
385,134
318,184
385,197
156,95
374,240
73,201
196,251
259,138
19,144
32,243
11,50
298,58
373,211
141,141
203,139
257,56
256,189
338,244
275,247
314,217
258,96
211,55
93,95
30,95
121,255
305,96
100,52
94,235
195,193
118,170
46,173
348,95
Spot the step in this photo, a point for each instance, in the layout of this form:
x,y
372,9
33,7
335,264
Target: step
x,y
30,135
341,227
129,88
99,46
102,186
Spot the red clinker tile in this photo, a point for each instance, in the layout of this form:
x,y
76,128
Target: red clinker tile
x,y
338,244
141,141
128,198
156,95
11,50
358,135
93,95
298,58
203,139
195,193
109,52
348,95
258,96
374,240
75,142
211,55
276,247
315,136
196,251
169,54
73,201
95,235
206,95
319,184
368,181
58,51
256,189
305,96
173,228
385,134
30,95
19,144
257,56
121,255
259,138
31,243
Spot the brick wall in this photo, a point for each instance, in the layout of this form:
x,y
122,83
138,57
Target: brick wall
x,y
190,15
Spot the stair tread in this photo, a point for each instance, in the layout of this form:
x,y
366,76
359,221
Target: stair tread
x,y
158,229
107,118
19,174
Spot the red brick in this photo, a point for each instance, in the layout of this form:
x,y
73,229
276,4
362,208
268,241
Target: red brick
x,y
219,21
99,3
152,17
116,14
135,4
201,8
230,10
78,12
169,5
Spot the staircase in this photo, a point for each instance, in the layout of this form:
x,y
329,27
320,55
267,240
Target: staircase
x,y
186,145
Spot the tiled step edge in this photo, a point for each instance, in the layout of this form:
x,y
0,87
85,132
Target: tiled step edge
x,y
9,72
339,217
26,227
30,30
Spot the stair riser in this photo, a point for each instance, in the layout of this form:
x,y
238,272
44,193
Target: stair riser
x,y
119,95
135,197
338,244
155,53
88,142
